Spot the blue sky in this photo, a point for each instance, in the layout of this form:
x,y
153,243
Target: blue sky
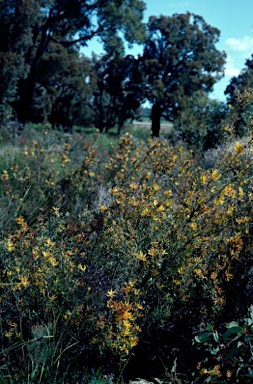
x,y
234,19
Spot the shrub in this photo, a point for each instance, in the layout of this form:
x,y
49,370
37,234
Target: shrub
x,y
130,251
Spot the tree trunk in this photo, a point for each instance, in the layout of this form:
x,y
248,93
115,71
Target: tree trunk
x,y
156,117
27,85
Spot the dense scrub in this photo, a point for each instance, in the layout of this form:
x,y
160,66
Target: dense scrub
x,y
115,260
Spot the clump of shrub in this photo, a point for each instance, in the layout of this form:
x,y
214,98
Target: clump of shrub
x,y
130,251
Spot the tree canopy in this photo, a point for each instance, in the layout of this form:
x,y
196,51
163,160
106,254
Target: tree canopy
x,y
35,24
240,100
179,59
43,77
117,93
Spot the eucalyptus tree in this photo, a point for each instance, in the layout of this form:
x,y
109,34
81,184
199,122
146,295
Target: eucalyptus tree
x,y
17,20
62,92
240,98
179,58
117,90
66,22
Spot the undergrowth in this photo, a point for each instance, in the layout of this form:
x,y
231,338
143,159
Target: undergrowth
x,y
110,256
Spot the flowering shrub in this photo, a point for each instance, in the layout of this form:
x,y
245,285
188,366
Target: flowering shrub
x,y
99,253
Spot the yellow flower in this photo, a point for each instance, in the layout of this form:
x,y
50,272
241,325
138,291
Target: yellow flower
x,y
124,348
145,212
198,272
216,370
238,148
155,203
193,226
134,186
156,187
124,314
10,246
111,293
46,254
229,191
215,175
203,179
214,275
53,261
152,252
127,324
136,292
49,242
115,191
125,333
161,208
168,193
103,208
82,268
240,192
20,220
133,202
24,281
12,324
229,374
228,275
141,256
133,341
5,175
52,298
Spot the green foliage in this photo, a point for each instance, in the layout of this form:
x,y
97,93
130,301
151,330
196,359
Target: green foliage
x,y
179,59
200,122
235,92
240,104
116,84
230,353
30,29
62,93
17,20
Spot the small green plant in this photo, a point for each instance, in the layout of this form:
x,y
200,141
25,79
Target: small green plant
x,y
230,353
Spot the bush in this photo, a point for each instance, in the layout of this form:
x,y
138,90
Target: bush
x,y
132,250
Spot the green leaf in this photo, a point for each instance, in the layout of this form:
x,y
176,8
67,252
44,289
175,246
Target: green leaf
x,y
216,336
233,330
232,353
232,324
203,337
